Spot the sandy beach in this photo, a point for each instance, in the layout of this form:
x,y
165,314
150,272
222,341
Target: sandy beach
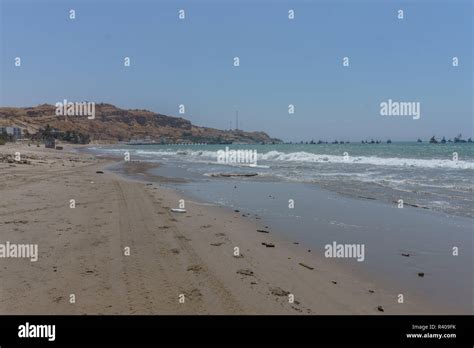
x,y
82,250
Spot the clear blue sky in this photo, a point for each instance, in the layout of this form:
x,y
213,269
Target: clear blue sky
x,y
282,62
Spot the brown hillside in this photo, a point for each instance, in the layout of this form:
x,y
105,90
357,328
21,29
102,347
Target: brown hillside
x,y
114,124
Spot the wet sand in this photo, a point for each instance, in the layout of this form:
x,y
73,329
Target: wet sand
x,y
399,243
82,250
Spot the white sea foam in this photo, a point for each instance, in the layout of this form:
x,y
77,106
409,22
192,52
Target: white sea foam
x,y
303,157
372,160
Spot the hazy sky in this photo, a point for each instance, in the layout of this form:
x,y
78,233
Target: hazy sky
x,y
282,62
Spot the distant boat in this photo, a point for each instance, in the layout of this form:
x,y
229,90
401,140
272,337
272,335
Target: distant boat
x,y
459,139
443,141
419,140
389,141
433,140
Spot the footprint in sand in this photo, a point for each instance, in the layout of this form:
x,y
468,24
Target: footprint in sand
x,y
245,272
58,299
194,268
276,291
175,251
217,244
183,238
193,294
206,226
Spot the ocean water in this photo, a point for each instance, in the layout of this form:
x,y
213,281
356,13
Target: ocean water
x,y
437,177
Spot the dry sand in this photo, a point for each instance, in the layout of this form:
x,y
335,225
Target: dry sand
x,y
81,251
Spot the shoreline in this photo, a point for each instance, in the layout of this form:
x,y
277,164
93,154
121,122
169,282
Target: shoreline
x,y
358,271
403,261
190,254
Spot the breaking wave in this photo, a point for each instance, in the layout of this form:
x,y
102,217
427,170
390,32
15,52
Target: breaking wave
x,y
306,157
